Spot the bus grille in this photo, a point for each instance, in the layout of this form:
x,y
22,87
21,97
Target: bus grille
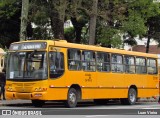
x,y
23,87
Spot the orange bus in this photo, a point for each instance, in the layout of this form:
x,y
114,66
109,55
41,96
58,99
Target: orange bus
x,y
44,70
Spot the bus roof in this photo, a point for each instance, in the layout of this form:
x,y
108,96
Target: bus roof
x,y
64,43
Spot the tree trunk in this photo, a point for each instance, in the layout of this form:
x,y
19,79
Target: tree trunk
x,y
57,18
78,29
92,23
57,26
148,42
24,19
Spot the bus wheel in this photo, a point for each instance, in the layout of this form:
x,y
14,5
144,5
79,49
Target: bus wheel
x,y
132,97
71,98
38,103
100,101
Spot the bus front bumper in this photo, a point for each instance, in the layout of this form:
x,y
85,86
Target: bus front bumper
x,y
26,96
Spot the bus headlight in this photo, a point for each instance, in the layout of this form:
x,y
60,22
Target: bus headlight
x,y
9,89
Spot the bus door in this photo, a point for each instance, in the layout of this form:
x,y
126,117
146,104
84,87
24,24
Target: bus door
x,y
56,66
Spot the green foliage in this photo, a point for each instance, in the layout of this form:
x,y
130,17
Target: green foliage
x,y
8,8
115,18
10,21
41,33
134,25
69,34
109,37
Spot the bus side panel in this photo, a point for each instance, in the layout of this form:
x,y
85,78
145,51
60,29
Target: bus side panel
x,y
142,93
109,85
104,93
59,93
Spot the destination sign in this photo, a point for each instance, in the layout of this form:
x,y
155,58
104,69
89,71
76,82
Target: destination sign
x,y
28,46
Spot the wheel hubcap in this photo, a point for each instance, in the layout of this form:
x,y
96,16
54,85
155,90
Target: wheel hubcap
x,y
132,96
72,98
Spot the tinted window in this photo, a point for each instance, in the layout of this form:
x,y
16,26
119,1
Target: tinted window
x,y
88,61
56,62
140,65
117,65
103,61
129,64
151,66
74,59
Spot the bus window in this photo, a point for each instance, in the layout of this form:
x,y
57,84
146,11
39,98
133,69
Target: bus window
x,y
16,65
36,65
56,62
103,62
117,63
151,66
129,62
88,61
74,59
141,65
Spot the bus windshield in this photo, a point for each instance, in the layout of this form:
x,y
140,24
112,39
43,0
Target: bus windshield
x,y
27,65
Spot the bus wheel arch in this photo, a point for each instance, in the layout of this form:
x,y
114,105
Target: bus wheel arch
x,y
132,96
78,89
74,94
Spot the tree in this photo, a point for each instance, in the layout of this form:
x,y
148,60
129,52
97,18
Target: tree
x,y
24,19
142,20
57,17
54,15
10,21
92,22
111,14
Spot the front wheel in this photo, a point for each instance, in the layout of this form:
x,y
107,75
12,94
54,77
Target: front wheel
x,y
132,97
72,96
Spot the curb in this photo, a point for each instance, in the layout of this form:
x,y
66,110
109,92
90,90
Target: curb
x,y
153,99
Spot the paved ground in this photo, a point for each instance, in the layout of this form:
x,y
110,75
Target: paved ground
x,y
85,109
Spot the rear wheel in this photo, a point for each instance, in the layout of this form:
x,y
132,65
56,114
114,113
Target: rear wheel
x,y
38,103
132,97
72,98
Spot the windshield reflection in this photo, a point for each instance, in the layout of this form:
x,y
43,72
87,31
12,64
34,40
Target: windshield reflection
x,y
27,65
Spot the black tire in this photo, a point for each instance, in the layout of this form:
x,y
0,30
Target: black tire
x,y
72,98
132,97
100,101
38,103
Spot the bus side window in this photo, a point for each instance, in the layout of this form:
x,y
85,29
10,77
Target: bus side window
x,y
88,61
129,64
117,63
74,59
141,65
151,66
103,61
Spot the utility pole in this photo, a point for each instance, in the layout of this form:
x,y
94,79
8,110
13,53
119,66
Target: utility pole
x,y
24,19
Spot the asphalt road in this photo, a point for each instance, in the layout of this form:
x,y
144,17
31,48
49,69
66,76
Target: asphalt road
x,y
85,109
